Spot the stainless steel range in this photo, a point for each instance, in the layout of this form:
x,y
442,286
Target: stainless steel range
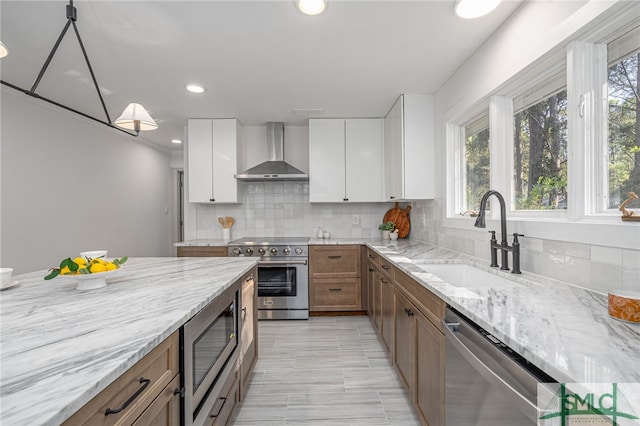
x,y
283,275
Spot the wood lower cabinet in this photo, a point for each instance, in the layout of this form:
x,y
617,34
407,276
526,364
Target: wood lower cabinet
x,y
202,251
408,319
387,312
335,278
405,341
152,381
429,394
249,330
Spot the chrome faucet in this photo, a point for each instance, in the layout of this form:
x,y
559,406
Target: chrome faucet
x,y
504,247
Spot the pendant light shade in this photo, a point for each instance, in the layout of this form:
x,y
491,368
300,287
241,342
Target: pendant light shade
x,y
3,50
135,117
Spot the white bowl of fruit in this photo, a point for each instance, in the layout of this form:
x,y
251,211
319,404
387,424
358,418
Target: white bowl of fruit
x,y
90,269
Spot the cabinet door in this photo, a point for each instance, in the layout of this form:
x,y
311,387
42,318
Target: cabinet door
x,y
224,161
199,158
326,160
419,135
430,373
377,300
248,332
387,302
340,294
370,281
394,152
364,167
404,345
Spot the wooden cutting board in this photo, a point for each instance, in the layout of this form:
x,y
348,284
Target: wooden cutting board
x,y
401,218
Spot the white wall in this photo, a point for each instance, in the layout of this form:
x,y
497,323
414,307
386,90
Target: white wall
x,y
70,185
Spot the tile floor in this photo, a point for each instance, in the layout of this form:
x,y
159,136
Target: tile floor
x,y
324,371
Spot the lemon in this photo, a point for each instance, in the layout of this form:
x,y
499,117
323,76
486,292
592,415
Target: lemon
x,y
66,271
97,267
80,261
111,266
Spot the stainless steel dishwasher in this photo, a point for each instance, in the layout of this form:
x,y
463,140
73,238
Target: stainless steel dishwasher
x,y
487,383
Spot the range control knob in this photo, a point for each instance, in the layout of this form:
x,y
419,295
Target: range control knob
x,y
236,251
262,251
274,251
249,251
286,250
298,250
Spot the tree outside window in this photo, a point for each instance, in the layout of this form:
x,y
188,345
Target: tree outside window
x,y
477,161
540,155
624,130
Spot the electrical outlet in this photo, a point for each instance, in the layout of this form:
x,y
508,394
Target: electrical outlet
x,y
355,219
166,209
424,219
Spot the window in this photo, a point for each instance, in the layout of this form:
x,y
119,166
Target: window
x,y
623,148
476,162
540,155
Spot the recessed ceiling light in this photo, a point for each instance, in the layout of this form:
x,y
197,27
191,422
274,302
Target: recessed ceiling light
x,y
177,141
312,7
3,50
195,88
469,9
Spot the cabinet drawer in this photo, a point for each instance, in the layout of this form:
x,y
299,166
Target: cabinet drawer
x,y
147,378
386,268
373,257
334,261
202,251
335,295
229,397
165,409
431,305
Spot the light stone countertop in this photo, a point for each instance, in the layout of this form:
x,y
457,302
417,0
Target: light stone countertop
x,y
60,347
563,329
203,242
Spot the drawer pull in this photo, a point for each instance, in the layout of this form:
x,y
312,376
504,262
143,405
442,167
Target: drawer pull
x,y
144,382
372,256
409,312
244,313
223,399
385,267
335,289
335,257
371,269
179,391
384,281
249,278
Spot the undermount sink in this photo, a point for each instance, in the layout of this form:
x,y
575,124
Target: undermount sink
x,y
459,275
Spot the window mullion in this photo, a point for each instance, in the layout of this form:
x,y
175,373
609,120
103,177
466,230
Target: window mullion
x,y
501,125
585,127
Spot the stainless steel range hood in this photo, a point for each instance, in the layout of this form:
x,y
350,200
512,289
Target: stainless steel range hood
x,y
276,169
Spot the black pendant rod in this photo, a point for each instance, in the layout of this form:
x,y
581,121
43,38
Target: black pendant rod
x,y
71,20
35,95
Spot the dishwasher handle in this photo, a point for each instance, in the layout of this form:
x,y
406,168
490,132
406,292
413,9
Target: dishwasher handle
x,y
526,406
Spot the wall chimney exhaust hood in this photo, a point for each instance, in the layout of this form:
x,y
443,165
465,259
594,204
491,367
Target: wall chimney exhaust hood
x,y
276,169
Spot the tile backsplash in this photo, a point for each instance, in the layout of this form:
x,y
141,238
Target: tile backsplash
x,y
282,209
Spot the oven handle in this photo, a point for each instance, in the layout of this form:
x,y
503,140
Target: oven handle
x,y
283,263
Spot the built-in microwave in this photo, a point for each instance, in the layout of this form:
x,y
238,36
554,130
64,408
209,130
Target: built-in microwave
x,y
209,350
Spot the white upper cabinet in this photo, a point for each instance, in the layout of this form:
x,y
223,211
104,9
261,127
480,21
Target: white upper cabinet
x,y
409,149
212,161
345,160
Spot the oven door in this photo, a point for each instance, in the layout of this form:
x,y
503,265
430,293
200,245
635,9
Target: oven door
x,y
283,284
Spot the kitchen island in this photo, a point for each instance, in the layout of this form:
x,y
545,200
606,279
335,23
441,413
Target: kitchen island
x,y
61,347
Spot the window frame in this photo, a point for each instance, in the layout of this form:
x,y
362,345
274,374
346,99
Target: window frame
x,y
585,220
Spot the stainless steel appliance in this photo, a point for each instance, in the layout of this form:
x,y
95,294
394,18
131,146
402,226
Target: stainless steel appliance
x,y
283,275
210,349
487,383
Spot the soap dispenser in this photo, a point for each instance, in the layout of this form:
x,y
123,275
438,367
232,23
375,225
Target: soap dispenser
x,y
320,233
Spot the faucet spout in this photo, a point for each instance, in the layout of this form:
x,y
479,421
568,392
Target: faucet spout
x,y
480,221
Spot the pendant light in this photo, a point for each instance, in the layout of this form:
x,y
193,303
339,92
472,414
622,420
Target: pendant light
x,y
134,117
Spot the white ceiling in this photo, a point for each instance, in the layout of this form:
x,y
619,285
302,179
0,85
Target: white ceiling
x,y
258,59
